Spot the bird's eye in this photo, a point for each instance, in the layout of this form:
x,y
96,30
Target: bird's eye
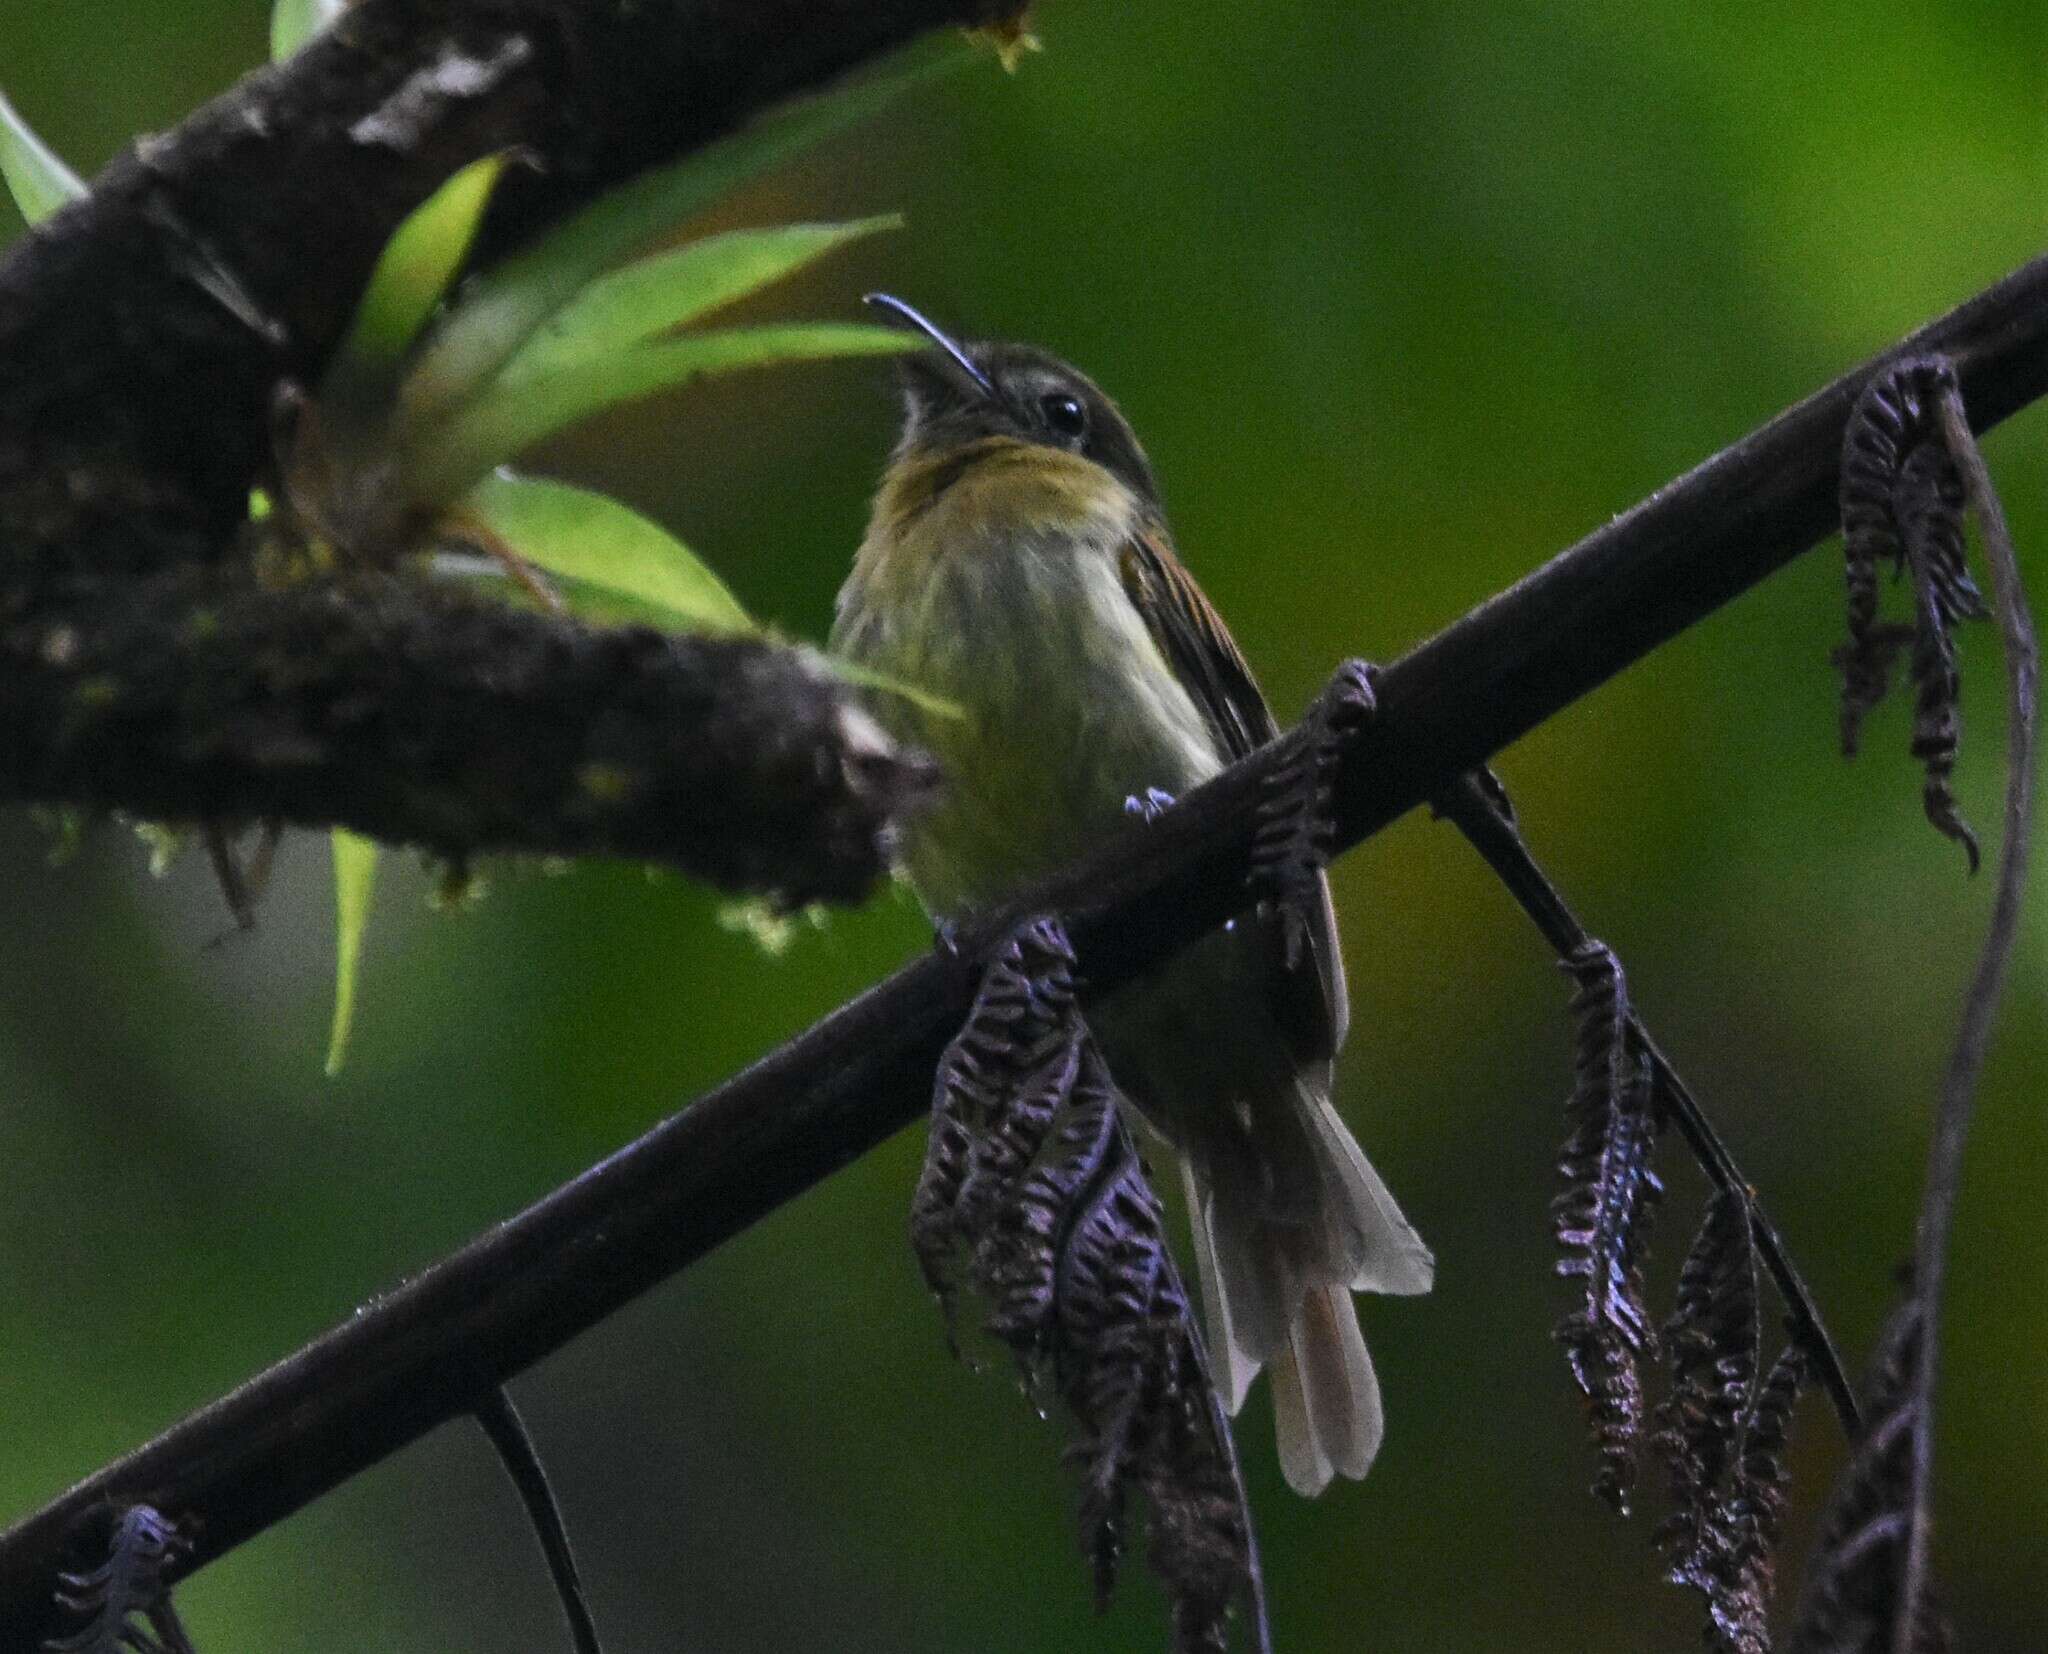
x,y
1064,416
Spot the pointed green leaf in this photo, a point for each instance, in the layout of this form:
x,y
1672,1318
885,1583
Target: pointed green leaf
x,y
653,295
294,22
412,274
510,302
355,877
595,541
866,677
608,563
38,180
442,463
600,605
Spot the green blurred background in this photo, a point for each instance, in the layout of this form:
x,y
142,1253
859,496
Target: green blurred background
x,y
1403,298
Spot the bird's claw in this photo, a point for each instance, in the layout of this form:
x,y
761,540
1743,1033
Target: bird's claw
x,y
1148,805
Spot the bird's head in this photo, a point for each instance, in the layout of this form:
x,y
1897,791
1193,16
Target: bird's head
x,y
962,392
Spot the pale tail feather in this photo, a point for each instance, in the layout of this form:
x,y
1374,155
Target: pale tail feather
x,y
1326,1399
1232,1361
1388,1256
1280,1294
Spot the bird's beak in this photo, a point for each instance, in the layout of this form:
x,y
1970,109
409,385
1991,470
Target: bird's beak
x,y
915,320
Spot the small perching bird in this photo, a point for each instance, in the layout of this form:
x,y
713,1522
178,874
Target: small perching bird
x,y
1018,564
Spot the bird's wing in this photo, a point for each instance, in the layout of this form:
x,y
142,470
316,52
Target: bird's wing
x,y
1313,1006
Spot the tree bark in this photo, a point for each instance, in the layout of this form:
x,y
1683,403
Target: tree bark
x,y
418,713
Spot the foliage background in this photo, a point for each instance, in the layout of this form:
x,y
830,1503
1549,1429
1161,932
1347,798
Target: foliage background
x,y
1404,298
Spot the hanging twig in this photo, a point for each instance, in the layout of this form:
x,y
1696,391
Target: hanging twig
x,y
1980,1005
1472,806
508,1435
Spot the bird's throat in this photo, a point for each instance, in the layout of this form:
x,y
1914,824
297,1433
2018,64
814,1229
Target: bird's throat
x,y
991,490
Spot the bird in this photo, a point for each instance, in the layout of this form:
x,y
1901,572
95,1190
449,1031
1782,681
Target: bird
x,y
1017,563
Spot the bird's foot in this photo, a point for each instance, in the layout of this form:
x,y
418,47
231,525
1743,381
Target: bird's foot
x,y
1297,823
1148,805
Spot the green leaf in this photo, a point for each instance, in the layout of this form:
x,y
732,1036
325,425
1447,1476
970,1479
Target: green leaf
x,y
441,463
595,541
611,564
601,605
39,182
412,274
510,302
866,677
656,294
355,877
294,22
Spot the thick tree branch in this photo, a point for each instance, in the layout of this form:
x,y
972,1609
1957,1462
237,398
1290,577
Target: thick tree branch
x,y
144,334
422,1354
414,712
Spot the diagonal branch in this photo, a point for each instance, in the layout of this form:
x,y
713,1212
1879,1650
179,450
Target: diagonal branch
x,y
422,1354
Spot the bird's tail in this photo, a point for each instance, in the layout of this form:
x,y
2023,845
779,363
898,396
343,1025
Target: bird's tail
x,y
1277,1285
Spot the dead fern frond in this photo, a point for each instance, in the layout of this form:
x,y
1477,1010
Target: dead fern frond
x,y
1902,502
1929,501
980,1138
126,1600
1713,1339
1851,1602
1754,1513
1296,827
1722,1431
1031,1177
1602,1217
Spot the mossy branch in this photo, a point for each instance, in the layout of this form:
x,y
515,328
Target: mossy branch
x,y
418,713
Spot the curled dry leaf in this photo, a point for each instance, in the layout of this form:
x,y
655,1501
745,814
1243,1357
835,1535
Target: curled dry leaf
x,y
1902,501
1034,1194
125,1601
1602,1217
1722,1431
